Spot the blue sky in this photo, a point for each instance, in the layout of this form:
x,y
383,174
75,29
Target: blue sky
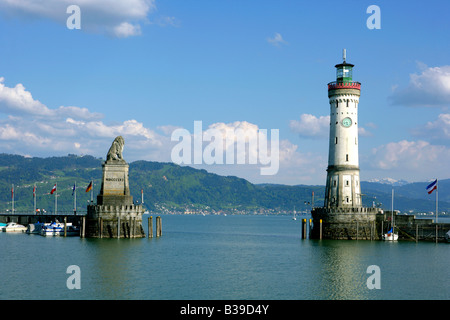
x,y
144,68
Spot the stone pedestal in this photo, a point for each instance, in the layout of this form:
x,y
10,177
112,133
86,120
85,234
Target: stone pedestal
x,y
115,186
114,215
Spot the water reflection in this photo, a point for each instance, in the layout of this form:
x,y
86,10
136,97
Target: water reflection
x,y
341,269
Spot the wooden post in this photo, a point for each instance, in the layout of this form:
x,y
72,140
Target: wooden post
x,y
158,226
100,227
310,223
150,227
65,226
83,227
303,228
320,230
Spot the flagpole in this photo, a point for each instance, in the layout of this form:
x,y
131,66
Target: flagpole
x,y
75,198
92,192
34,198
437,191
12,197
56,198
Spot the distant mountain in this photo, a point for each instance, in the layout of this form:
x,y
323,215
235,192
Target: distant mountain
x,y
167,185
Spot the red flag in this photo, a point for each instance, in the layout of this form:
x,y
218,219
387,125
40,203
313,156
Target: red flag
x,y
53,190
34,191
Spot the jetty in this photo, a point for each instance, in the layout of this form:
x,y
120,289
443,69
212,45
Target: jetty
x,y
408,227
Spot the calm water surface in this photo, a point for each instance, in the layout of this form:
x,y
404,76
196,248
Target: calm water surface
x,y
221,257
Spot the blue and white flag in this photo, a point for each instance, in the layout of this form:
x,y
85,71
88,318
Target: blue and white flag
x,y
432,186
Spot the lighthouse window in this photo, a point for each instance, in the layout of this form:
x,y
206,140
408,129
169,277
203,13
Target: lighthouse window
x,y
336,140
337,104
347,199
346,157
347,103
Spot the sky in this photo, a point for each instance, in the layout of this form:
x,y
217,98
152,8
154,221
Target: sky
x,y
144,69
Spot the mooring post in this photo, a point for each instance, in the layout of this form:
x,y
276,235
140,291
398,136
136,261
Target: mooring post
x,y
310,224
150,227
83,227
158,226
65,226
100,228
320,229
303,228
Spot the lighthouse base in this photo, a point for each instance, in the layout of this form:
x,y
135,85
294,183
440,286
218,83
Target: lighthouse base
x,y
356,223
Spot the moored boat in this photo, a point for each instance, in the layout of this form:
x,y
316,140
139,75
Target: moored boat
x,y
35,228
14,227
57,229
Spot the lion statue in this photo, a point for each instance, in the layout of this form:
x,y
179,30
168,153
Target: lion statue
x,y
115,152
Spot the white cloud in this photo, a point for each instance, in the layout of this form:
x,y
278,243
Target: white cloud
x,y
310,126
126,29
438,130
429,88
120,18
19,101
411,160
33,128
276,40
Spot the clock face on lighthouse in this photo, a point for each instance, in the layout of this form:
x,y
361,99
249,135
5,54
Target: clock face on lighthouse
x,y
347,122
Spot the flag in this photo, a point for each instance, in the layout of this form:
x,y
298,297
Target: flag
x,y
53,190
89,187
432,186
34,191
12,192
73,191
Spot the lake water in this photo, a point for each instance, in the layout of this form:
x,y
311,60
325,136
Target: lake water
x,y
221,257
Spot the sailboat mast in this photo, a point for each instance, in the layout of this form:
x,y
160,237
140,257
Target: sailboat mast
x,y
392,212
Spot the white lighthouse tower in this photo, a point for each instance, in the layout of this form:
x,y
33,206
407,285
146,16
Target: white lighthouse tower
x,y
343,216
342,186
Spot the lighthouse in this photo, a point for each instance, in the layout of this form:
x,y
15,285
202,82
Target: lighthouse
x,y
343,215
342,185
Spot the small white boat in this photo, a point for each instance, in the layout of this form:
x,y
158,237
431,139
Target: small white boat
x,y
390,236
57,229
14,227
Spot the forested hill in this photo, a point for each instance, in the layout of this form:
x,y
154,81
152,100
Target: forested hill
x,y
167,185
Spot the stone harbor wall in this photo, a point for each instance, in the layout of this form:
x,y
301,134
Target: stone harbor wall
x,y
350,223
114,221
